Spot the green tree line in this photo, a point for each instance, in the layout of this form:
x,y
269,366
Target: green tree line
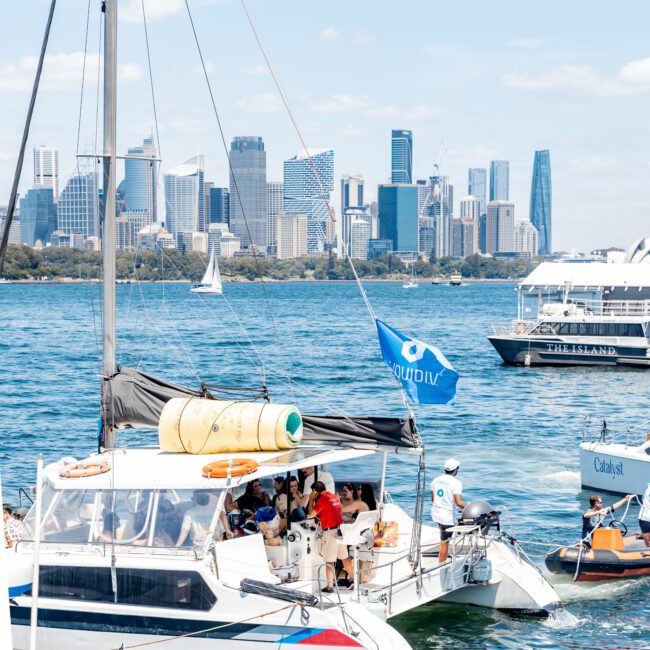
x,y
24,263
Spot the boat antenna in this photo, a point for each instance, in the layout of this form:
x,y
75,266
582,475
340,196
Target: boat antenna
x,y
23,145
109,9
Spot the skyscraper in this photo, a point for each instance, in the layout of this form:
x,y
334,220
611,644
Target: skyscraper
x,y
499,180
477,186
292,235
304,193
141,180
274,206
470,208
439,205
398,216
465,237
540,200
219,205
46,169
248,191
526,239
351,192
77,211
401,156
500,227
37,216
359,237
184,187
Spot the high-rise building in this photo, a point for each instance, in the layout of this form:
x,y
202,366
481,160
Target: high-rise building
x,y
439,205
184,187
499,180
46,169
351,192
500,227
304,193
37,216
526,239
77,211
465,237
401,156
347,219
292,236
470,208
398,216
219,205
208,186
359,237
427,236
477,186
274,205
540,200
141,180
248,213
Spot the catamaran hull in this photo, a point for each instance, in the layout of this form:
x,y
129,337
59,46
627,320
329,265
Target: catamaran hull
x,y
87,630
206,290
522,350
614,468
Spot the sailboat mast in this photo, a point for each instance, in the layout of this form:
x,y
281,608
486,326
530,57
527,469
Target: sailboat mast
x,y
108,232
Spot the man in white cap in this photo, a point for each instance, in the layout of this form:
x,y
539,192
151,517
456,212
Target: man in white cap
x,y
446,495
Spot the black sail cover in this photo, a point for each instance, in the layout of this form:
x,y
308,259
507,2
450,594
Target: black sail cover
x,y
131,398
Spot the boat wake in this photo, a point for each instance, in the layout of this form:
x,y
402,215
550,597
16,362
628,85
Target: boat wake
x,y
571,591
562,620
564,479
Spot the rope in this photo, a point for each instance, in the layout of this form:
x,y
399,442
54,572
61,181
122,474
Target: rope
x,y
210,629
236,186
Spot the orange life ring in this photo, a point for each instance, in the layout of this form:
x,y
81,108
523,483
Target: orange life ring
x,y
235,467
86,468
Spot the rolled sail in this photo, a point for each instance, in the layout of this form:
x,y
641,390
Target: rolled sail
x,y
207,426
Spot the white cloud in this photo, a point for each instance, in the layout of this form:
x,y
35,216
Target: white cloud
x,y
131,10
265,103
330,34
210,68
61,72
255,70
525,43
632,79
340,104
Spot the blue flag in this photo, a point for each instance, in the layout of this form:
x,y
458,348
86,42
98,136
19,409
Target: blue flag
x,y
423,371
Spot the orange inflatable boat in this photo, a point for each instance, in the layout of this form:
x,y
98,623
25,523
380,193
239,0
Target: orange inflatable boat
x,y
611,556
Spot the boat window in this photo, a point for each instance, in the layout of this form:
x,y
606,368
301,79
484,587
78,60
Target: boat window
x,y
152,518
142,587
590,329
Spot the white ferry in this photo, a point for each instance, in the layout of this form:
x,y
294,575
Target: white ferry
x,y
594,313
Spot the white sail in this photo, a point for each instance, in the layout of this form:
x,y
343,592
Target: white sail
x,y
217,286
209,272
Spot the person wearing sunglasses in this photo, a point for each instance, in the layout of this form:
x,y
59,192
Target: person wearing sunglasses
x,y
594,516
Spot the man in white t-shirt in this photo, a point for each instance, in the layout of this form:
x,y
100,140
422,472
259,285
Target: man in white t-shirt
x,y
446,495
644,516
323,476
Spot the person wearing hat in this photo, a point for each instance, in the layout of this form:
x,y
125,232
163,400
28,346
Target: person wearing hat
x,y
446,496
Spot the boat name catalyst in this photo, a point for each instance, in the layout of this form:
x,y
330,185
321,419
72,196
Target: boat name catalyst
x,y
608,467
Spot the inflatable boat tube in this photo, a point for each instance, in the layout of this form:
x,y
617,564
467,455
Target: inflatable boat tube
x,y
611,556
206,426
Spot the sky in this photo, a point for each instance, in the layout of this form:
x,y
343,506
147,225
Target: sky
x,y
474,81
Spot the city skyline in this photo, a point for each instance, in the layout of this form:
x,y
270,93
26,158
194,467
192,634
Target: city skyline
x,y
540,87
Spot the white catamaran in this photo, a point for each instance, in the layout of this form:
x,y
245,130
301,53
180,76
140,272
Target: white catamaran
x,y
134,545
211,282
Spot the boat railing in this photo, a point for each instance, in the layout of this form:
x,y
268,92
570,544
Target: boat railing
x,y
595,308
520,327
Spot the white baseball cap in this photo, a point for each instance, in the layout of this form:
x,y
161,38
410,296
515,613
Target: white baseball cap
x,y
451,464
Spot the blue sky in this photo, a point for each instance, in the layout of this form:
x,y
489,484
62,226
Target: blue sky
x,y
474,81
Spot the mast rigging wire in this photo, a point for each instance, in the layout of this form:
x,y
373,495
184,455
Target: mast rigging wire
x,y
236,185
23,145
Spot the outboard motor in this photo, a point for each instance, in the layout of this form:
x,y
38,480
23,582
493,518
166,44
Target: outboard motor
x,y
480,513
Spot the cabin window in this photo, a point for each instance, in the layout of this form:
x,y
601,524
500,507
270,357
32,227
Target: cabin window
x,y
141,587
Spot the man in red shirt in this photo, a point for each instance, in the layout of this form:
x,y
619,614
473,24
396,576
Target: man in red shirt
x,y
327,507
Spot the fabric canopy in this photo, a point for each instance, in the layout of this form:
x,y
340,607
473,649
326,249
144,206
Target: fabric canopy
x,y
131,398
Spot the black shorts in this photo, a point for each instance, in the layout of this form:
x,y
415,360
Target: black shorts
x,y
644,526
445,535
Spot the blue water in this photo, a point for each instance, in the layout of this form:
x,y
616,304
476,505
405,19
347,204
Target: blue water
x,y
515,430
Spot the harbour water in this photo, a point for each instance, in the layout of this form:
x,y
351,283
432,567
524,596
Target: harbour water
x,y
515,430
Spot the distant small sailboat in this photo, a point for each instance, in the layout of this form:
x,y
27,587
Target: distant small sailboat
x,y
211,282
411,284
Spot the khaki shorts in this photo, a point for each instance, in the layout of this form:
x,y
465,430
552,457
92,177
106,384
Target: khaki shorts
x,y
330,548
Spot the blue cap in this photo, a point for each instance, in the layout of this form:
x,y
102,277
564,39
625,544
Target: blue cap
x,y
265,513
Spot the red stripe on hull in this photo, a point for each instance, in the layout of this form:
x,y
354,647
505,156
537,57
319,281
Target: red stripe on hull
x,y
332,638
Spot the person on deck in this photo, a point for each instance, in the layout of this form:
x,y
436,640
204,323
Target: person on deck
x,y
307,476
644,516
367,495
13,527
446,496
593,517
198,519
252,499
352,504
327,507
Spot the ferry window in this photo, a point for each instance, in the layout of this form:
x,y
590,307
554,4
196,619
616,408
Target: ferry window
x,y
142,587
